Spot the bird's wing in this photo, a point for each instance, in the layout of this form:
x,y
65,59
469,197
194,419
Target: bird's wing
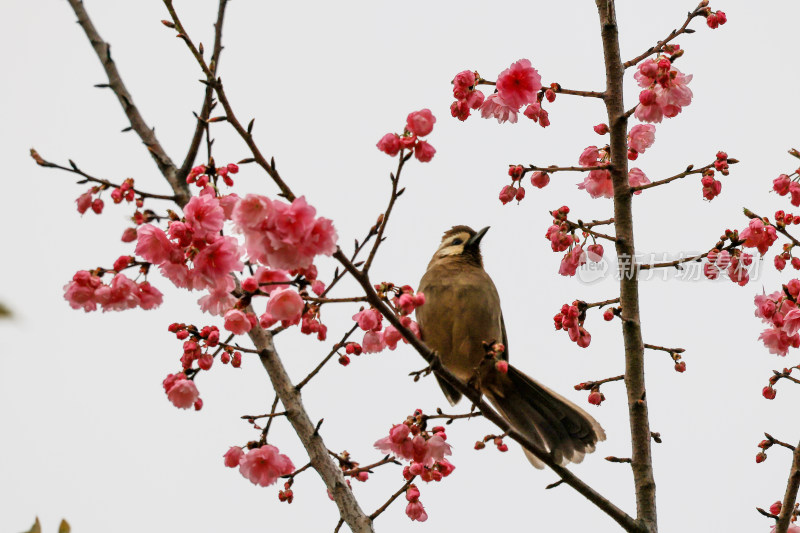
x,y
452,395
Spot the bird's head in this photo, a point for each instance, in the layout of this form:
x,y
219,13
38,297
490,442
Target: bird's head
x,y
461,243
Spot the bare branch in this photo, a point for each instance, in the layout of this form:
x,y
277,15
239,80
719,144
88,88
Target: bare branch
x,y
145,133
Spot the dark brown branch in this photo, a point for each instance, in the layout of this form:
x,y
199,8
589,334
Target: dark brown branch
x,y
394,496
773,440
108,184
617,514
327,358
145,133
790,496
675,263
662,349
583,227
642,461
403,157
612,459
385,461
601,304
589,94
593,223
216,83
688,172
271,418
554,168
351,299
660,44
308,433
208,98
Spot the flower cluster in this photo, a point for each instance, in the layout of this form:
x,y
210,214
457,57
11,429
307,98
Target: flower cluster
x,y
787,184
202,175
466,95
598,182
570,319
86,291
418,124
262,466
518,86
515,191
715,19
561,237
665,92
497,440
377,338
415,509
735,263
759,235
779,310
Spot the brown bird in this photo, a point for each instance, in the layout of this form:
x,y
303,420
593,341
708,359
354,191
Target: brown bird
x,y
461,313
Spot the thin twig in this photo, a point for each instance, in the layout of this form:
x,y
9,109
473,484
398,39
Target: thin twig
x,y
208,98
385,218
327,358
108,184
659,46
389,502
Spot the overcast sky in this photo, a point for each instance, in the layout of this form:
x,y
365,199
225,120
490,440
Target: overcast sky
x,y
87,432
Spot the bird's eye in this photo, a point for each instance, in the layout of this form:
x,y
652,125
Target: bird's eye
x,y
457,242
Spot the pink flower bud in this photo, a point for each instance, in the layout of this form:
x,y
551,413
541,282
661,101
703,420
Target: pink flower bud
x,y
595,398
520,194
780,262
608,315
601,129
761,457
647,97
389,144
233,457
250,284
680,366
412,493
424,151
502,367
97,206
507,194
129,235
540,179
550,95
775,508
236,362
768,393
420,122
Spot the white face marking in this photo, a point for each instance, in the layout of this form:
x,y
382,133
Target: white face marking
x,y
453,245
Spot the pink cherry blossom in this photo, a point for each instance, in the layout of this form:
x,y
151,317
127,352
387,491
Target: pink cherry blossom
x,y
84,201
637,178
641,137
397,443
758,235
251,212
233,456
263,466
80,291
415,511
777,341
424,151
791,322
571,261
153,245
214,263
519,83
228,203
589,156
598,184
420,122
766,306
391,337
781,184
149,296
649,113
183,393
495,107
507,194
236,322
218,300
369,319
204,215
437,448
270,276
285,304
389,144
373,342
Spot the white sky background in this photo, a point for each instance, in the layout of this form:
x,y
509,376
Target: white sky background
x,y
87,432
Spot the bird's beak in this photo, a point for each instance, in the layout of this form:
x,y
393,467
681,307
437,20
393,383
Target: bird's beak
x,y
475,240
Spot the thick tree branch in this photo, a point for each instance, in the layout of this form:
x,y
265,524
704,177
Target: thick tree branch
x,y
641,464
292,401
145,133
790,497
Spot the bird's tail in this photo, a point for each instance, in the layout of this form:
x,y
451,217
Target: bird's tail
x,y
546,418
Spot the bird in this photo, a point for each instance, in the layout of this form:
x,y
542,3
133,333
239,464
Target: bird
x,y
460,319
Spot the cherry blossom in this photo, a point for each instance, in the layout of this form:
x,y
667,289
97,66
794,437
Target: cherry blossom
x,y
263,466
518,84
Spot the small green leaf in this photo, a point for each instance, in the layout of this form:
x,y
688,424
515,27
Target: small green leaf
x,y
36,527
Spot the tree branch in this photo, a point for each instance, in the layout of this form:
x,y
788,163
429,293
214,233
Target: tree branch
x,y
208,98
145,133
292,401
790,497
642,462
